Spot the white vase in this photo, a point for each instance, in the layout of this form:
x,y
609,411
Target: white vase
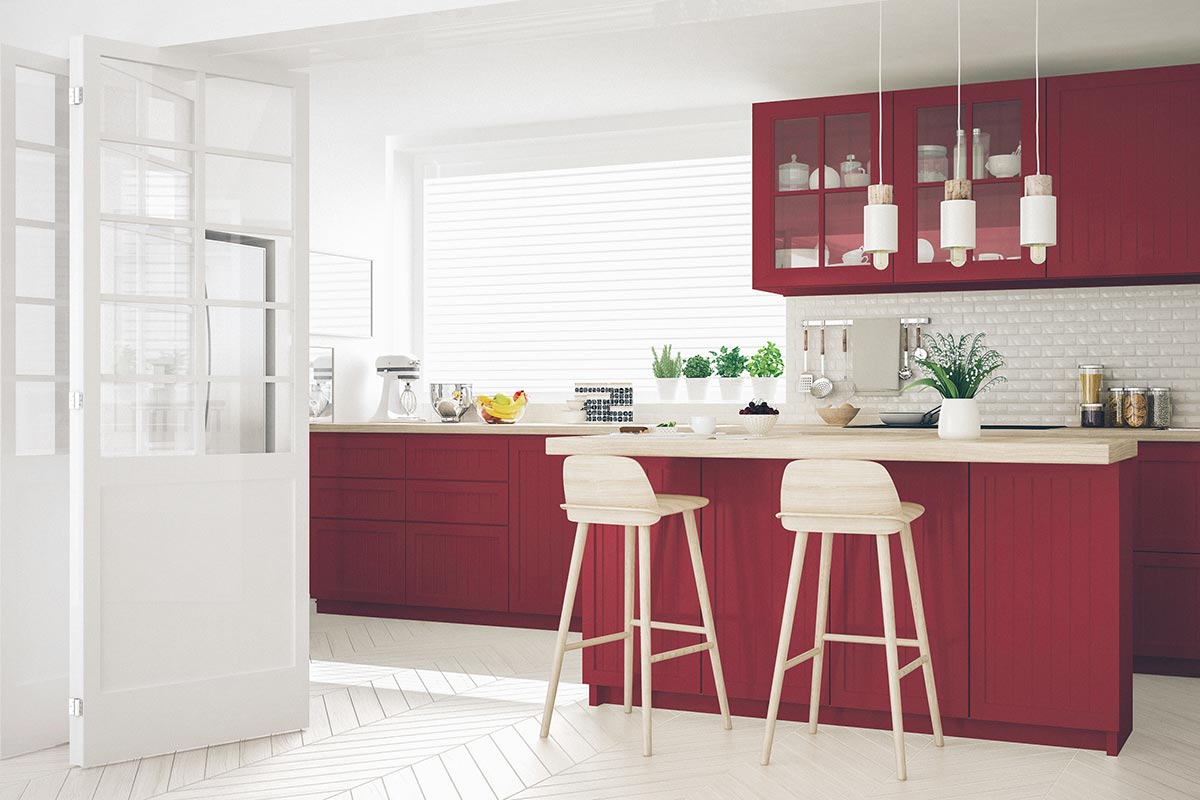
x,y
697,388
668,389
765,388
959,419
731,389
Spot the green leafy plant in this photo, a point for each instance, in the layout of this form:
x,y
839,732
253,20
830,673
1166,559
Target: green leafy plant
x,y
729,363
666,365
767,362
697,367
959,368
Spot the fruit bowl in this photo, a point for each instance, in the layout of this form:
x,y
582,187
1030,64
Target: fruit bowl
x,y
838,416
758,417
501,409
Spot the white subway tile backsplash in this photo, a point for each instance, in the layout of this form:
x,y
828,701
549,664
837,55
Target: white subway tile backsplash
x,y
1143,335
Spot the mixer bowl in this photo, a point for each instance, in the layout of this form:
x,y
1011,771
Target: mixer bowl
x,y
450,400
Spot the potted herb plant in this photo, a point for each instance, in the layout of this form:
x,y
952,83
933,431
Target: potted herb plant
x,y
667,369
730,364
696,372
959,369
765,368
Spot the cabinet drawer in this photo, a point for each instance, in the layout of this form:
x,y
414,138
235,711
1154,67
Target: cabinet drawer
x,y
458,457
356,455
1168,498
358,561
357,498
457,566
466,502
1166,605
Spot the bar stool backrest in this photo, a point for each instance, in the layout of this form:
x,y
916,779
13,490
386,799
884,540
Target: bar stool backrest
x,y
616,483
838,487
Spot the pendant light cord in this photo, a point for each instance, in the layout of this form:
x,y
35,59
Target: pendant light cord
x,y
958,108
1037,84
879,155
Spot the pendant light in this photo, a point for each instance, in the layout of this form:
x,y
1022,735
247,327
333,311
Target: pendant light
x,y
958,209
880,220
1039,207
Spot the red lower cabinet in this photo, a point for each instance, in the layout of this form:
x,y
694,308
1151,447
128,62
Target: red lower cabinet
x,y
673,589
1166,606
357,560
540,536
858,673
457,566
356,498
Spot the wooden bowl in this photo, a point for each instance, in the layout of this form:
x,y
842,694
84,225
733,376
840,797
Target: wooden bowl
x,y
837,415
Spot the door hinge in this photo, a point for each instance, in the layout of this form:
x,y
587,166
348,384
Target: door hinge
x,y
76,400
75,95
75,707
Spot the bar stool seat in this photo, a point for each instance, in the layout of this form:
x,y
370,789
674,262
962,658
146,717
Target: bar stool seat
x,y
850,497
611,490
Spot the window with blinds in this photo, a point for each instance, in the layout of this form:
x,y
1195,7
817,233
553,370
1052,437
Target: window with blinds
x,y
537,280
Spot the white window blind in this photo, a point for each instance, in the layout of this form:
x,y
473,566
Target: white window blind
x,y
536,280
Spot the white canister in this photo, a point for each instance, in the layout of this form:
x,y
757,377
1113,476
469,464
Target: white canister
x,y
793,175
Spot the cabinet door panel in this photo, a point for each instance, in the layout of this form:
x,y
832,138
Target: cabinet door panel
x,y
357,498
358,561
356,455
540,535
471,502
1118,215
1168,498
458,457
457,566
1166,605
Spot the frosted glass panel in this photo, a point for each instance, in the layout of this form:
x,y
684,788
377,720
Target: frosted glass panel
x,y
244,115
248,192
35,262
147,101
34,339
146,418
35,106
145,259
339,295
250,268
145,339
239,345
37,186
35,408
145,181
248,418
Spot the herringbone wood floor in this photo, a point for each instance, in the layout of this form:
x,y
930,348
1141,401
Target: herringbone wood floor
x,y
426,710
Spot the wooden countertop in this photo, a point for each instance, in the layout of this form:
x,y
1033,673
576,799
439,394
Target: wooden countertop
x,y
516,429
1004,447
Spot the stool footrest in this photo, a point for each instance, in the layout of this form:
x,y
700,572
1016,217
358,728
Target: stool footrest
x,y
595,640
681,651
916,663
855,639
800,659
673,626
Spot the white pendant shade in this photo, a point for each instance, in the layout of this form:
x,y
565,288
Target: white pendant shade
x,y
880,232
958,229
1039,217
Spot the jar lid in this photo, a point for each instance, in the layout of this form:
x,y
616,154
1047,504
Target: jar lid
x,y
1160,388
1091,366
1092,406
931,150
1136,389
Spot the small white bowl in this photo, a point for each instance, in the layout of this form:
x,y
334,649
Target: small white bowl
x,y
758,424
1007,165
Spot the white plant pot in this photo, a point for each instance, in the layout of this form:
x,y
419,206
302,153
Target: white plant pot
x,y
765,388
697,389
668,389
959,419
731,389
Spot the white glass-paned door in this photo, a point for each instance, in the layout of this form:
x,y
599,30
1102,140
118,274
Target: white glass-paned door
x,y
190,530
34,422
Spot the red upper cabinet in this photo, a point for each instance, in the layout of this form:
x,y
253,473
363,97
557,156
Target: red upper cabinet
x,y
813,160
1126,163
997,118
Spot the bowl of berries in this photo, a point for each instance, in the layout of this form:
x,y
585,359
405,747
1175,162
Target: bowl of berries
x,y
758,417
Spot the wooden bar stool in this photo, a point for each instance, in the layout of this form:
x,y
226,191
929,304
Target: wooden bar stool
x,y
611,490
850,497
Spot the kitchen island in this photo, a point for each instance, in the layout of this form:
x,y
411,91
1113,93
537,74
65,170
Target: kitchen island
x,y
1026,561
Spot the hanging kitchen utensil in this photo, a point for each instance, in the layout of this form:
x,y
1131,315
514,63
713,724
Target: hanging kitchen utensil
x,y
845,386
920,353
905,370
806,378
822,386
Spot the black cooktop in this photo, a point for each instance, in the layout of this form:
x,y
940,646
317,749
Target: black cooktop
x,y
985,427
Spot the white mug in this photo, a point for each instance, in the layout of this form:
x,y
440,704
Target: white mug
x,y
704,425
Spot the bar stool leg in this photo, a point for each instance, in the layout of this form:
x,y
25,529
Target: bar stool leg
x,y
814,698
693,540
893,656
564,624
785,640
918,608
644,591
630,548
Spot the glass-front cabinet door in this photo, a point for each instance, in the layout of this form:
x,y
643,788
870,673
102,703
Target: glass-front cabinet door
x,y
813,161
995,151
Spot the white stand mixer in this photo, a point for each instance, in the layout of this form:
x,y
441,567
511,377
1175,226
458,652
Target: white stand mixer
x,y
396,404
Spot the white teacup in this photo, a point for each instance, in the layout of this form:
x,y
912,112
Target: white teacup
x,y
703,425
